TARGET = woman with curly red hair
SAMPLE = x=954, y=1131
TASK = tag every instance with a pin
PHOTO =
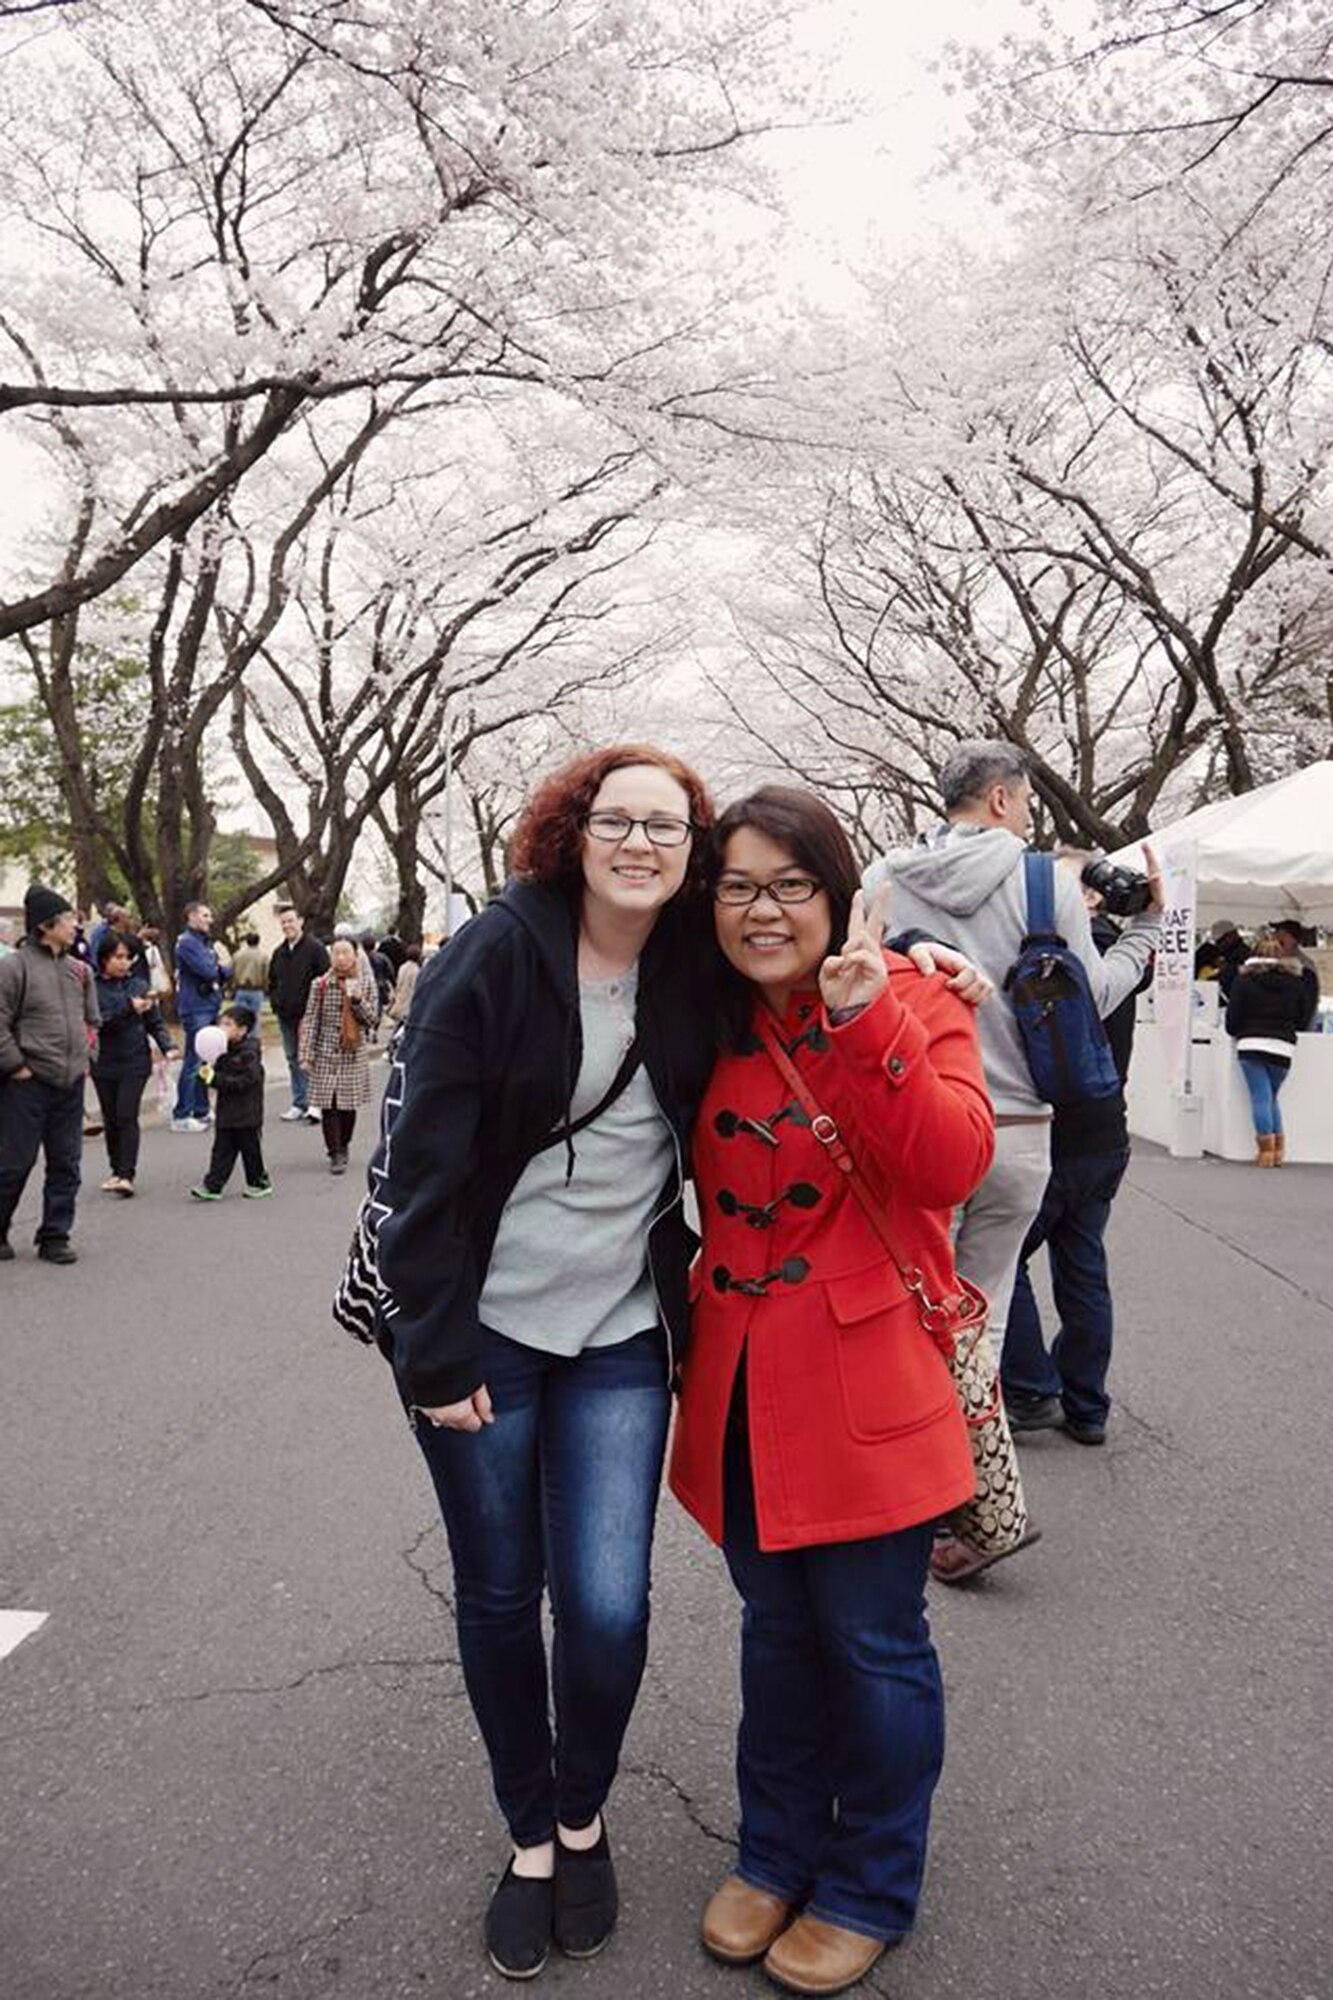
x=532, y=1252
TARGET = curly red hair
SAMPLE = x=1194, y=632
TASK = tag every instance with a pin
x=547, y=843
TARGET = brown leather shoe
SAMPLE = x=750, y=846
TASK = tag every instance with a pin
x=741, y=1922
x=815, y=1957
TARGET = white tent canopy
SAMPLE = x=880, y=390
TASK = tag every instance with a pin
x=1262, y=855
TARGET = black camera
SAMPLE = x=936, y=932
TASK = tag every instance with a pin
x=1124, y=892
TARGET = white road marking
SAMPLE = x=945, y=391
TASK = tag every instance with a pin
x=16, y=1626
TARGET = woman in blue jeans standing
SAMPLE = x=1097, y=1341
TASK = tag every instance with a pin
x=532, y=1252
x=819, y=1436
x=1265, y=1012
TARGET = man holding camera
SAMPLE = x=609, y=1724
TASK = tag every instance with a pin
x=964, y=884
x=1066, y=1385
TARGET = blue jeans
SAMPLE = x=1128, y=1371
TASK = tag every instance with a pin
x=842, y=1716
x=41, y=1117
x=561, y=1491
x=291, y=1036
x=1072, y=1223
x=191, y=1096
x=251, y=997
x=1264, y=1080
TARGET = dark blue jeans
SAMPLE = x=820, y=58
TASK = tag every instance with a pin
x=191, y=1096
x=842, y=1720
x=1072, y=1223
x=561, y=1491
x=1263, y=1080
x=37, y=1117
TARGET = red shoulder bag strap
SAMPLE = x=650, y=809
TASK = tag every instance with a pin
x=938, y=1316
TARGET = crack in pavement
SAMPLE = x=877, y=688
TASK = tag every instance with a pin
x=422, y=1573
x=241, y=1690
x=1158, y=1434
x=656, y=1775
x=1248, y=1256
x=326, y=1935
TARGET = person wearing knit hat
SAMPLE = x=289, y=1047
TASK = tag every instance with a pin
x=48, y=1021
x=41, y=906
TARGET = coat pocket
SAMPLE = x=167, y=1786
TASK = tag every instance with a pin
x=892, y=1377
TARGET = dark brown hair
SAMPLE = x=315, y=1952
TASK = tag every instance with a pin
x=547, y=844
x=110, y=941
x=811, y=833
x=802, y=823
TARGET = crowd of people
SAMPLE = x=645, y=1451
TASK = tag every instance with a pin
x=85, y=1003
x=848, y=1072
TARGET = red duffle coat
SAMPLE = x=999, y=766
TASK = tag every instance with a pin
x=853, y=1419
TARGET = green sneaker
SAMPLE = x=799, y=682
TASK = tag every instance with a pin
x=259, y=1193
x=204, y=1194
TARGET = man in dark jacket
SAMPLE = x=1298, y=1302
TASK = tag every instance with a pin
x=292, y=970
x=1221, y=955
x=1089, y=1154
x=238, y=1078
x=200, y=977
x=48, y=1019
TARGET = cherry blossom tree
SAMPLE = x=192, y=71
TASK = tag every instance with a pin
x=246, y=265
x=422, y=621
x=1089, y=507
x=209, y=234
x=1135, y=100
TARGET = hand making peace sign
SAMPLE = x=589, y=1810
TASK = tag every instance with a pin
x=857, y=974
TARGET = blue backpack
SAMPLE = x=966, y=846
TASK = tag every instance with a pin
x=1062, y=1033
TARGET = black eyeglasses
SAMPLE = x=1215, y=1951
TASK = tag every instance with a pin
x=661, y=829
x=736, y=890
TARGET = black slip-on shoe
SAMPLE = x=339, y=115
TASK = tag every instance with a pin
x=1033, y=1413
x=57, y=1250
x=587, y=1901
x=518, y=1925
x=1083, y=1433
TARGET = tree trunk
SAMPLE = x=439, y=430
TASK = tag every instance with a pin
x=404, y=843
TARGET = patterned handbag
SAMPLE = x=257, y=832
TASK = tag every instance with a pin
x=359, y=1300
x=994, y=1522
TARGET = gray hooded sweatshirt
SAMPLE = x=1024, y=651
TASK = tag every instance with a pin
x=964, y=886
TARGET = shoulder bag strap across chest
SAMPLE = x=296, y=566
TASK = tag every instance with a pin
x=938, y=1316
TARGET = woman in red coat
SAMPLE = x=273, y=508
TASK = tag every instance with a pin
x=818, y=1437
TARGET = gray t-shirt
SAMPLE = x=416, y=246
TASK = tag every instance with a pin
x=569, y=1268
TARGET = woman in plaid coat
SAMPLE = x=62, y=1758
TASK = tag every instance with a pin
x=340, y=1015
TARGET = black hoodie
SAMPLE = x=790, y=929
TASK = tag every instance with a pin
x=238, y=1079
x=484, y=1072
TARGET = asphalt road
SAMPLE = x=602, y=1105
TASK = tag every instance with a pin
x=236, y=1758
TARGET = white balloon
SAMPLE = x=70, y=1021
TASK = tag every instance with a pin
x=209, y=1044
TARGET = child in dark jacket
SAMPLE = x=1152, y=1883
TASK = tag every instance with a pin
x=238, y=1079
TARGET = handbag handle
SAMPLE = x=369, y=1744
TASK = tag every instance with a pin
x=936, y=1315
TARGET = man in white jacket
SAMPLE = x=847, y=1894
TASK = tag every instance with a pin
x=964, y=885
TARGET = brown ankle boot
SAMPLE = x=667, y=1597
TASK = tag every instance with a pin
x=1279, y=1148
x=1267, y=1153
x=815, y=1957
x=741, y=1922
